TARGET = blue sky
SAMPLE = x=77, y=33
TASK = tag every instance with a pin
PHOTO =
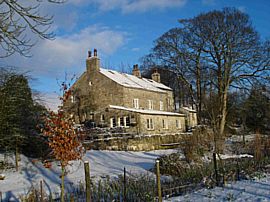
x=122, y=30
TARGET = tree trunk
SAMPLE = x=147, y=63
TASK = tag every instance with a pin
x=17, y=157
x=199, y=89
x=62, y=183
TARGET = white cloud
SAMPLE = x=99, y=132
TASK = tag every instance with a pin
x=68, y=51
x=51, y=101
x=129, y=6
x=144, y=5
x=51, y=59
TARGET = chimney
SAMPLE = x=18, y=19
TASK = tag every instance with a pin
x=136, y=71
x=156, y=76
x=92, y=62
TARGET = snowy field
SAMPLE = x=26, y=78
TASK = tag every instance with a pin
x=253, y=190
x=102, y=163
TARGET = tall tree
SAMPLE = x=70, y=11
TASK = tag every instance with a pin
x=227, y=45
x=235, y=53
x=16, y=113
x=17, y=18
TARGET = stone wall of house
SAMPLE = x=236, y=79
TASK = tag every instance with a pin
x=144, y=96
x=139, y=123
x=162, y=124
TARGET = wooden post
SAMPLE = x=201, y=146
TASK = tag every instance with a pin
x=41, y=191
x=87, y=180
x=125, y=187
x=71, y=198
x=16, y=157
x=158, y=182
x=215, y=168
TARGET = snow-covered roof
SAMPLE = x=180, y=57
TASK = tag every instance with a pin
x=128, y=80
x=188, y=109
x=143, y=111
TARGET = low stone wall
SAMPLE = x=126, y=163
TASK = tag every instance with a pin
x=131, y=142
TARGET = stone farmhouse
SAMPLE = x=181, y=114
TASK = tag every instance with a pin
x=107, y=98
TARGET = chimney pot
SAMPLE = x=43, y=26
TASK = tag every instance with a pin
x=89, y=54
x=136, y=71
x=156, y=76
x=95, y=52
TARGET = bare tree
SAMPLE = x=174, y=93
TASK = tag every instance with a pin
x=217, y=51
x=235, y=53
x=17, y=18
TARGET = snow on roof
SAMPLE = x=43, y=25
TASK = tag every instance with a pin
x=188, y=109
x=128, y=80
x=143, y=111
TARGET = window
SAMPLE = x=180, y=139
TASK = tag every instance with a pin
x=127, y=121
x=102, y=117
x=164, y=124
x=121, y=121
x=72, y=99
x=113, y=122
x=149, y=124
x=168, y=103
x=150, y=104
x=135, y=103
x=161, y=106
x=178, y=124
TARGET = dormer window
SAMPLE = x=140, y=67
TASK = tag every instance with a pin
x=135, y=103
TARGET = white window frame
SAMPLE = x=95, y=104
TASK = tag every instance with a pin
x=119, y=121
x=149, y=124
x=111, y=122
x=161, y=106
x=178, y=124
x=169, y=103
x=165, y=124
x=135, y=103
x=72, y=98
x=150, y=104
x=102, y=117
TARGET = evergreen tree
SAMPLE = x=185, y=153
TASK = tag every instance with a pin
x=257, y=109
x=16, y=112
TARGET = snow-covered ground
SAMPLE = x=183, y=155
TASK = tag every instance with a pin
x=102, y=163
x=248, y=190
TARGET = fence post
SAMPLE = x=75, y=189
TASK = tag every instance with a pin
x=215, y=168
x=71, y=198
x=41, y=191
x=87, y=180
x=125, y=187
x=158, y=182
